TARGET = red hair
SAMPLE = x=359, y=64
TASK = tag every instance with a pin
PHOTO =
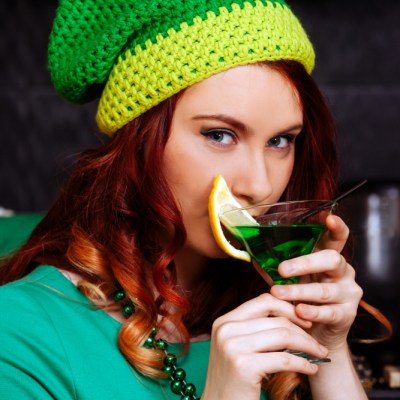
x=106, y=224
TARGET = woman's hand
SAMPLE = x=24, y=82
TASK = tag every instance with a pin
x=327, y=294
x=248, y=343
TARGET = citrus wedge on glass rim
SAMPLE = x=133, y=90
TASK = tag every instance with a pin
x=220, y=201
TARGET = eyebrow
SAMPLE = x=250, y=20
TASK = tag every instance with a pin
x=238, y=124
x=223, y=118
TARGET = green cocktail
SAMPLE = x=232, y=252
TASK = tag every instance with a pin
x=269, y=245
x=278, y=232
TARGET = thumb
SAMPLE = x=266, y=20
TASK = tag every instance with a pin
x=336, y=235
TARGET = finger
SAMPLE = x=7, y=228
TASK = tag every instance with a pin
x=321, y=293
x=330, y=315
x=336, y=235
x=263, y=306
x=276, y=339
x=225, y=330
x=329, y=262
x=282, y=361
x=347, y=291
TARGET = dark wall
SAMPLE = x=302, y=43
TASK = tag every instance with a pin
x=358, y=68
x=40, y=132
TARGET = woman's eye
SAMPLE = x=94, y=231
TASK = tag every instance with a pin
x=281, y=141
x=223, y=136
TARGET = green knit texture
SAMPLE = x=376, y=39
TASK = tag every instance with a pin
x=89, y=35
x=171, y=15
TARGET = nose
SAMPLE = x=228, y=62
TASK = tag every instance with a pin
x=251, y=184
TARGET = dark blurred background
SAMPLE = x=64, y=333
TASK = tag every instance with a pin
x=358, y=68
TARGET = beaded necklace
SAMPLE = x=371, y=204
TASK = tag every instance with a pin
x=179, y=385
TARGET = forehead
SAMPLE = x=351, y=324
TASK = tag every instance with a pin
x=251, y=92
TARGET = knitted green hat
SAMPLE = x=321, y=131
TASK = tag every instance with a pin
x=137, y=53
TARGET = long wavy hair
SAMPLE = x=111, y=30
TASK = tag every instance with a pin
x=106, y=221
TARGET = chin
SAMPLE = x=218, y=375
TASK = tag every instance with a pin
x=216, y=252
x=210, y=250
x=220, y=255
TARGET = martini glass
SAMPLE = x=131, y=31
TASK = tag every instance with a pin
x=279, y=232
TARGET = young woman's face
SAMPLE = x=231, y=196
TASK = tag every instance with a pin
x=241, y=124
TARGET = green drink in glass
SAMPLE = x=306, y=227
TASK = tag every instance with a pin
x=279, y=232
x=269, y=245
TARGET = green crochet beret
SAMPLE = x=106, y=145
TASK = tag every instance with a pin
x=137, y=53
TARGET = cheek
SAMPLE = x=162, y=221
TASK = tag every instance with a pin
x=191, y=187
x=189, y=184
x=190, y=172
x=280, y=173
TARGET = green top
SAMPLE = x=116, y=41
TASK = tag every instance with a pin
x=54, y=345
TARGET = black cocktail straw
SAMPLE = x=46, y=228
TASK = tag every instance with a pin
x=317, y=209
x=351, y=190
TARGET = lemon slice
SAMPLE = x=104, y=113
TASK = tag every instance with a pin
x=220, y=201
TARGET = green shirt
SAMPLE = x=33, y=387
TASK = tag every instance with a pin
x=54, y=345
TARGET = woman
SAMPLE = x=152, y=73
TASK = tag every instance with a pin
x=124, y=268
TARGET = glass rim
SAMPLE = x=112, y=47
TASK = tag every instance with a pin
x=329, y=203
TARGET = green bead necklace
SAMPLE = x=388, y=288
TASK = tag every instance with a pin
x=179, y=385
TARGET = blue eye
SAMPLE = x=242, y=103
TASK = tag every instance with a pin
x=222, y=136
x=281, y=141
